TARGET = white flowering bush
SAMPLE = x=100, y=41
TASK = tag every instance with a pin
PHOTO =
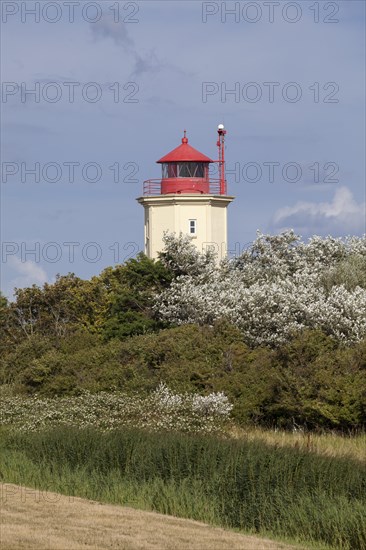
x=161, y=410
x=181, y=257
x=276, y=288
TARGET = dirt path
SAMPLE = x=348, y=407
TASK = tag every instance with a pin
x=33, y=519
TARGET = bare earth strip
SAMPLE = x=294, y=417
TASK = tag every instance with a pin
x=33, y=519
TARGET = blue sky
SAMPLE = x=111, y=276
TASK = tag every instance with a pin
x=161, y=56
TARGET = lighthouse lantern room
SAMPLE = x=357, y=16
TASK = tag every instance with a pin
x=187, y=200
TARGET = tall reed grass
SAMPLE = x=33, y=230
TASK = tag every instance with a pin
x=246, y=485
x=330, y=444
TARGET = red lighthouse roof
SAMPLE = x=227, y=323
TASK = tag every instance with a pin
x=184, y=153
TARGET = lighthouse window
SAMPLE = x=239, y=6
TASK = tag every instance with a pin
x=192, y=227
x=184, y=170
x=191, y=170
x=170, y=170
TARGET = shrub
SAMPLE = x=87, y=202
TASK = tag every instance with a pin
x=275, y=289
x=160, y=410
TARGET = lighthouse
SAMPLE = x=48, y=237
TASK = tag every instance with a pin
x=187, y=200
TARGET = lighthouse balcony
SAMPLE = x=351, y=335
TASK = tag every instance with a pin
x=168, y=186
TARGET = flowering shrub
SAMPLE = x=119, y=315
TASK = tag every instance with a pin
x=181, y=257
x=161, y=410
x=276, y=288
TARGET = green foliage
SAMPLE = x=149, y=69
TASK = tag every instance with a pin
x=7, y=329
x=144, y=274
x=58, y=309
x=105, y=335
x=324, y=386
x=14, y=363
x=129, y=314
x=134, y=286
x=310, y=383
x=35, y=327
x=237, y=484
x=118, y=303
x=350, y=272
x=71, y=368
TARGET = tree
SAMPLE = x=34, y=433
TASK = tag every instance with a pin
x=275, y=289
x=58, y=309
x=132, y=288
x=7, y=326
x=181, y=257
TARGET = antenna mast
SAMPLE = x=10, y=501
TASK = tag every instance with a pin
x=221, y=145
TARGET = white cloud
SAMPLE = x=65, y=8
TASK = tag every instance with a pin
x=29, y=273
x=341, y=216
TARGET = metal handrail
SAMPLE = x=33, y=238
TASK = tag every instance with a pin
x=153, y=186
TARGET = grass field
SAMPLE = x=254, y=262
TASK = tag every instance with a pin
x=327, y=444
x=276, y=492
x=43, y=520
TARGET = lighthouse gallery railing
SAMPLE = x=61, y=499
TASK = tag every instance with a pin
x=153, y=187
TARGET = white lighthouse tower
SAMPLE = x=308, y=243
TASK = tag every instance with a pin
x=186, y=200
